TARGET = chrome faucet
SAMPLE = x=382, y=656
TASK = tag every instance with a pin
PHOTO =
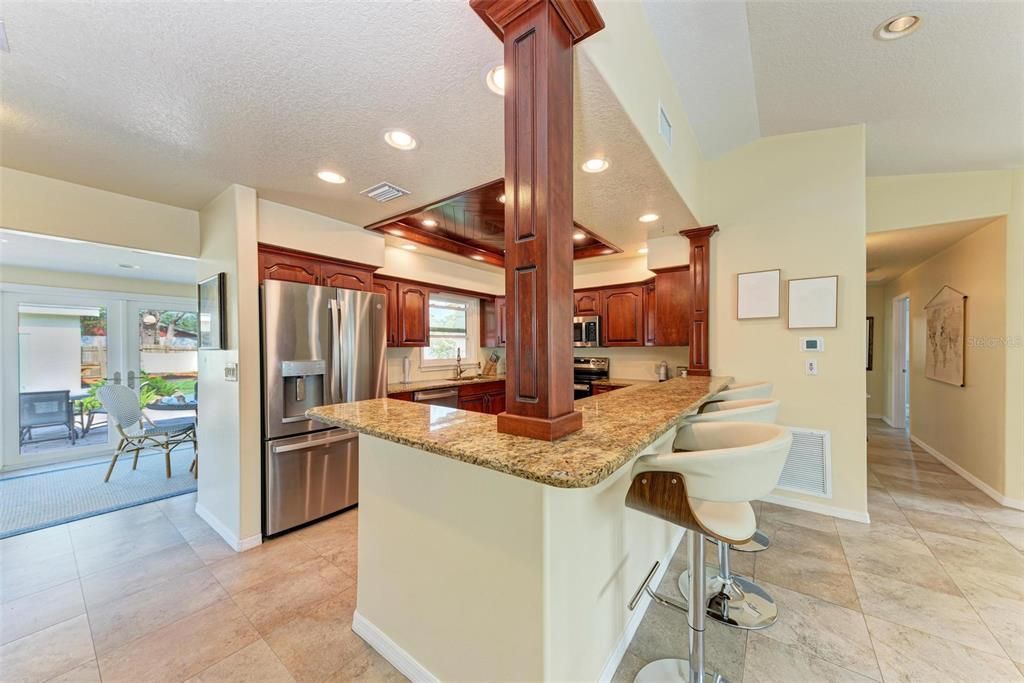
x=459, y=370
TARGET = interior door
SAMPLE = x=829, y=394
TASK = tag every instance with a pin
x=57, y=349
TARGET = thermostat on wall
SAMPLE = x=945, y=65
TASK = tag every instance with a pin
x=812, y=343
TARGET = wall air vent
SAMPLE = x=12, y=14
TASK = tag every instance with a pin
x=384, y=192
x=809, y=463
x=664, y=126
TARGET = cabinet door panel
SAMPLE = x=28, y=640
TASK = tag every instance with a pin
x=496, y=402
x=478, y=404
x=492, y=322
x=650, y=315
x=587, y=303
x=346, y=277
x=413, y=315
x=389, y=289
x=623, y=320
x=289, y=268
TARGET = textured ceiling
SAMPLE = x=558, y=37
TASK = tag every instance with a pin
x=173, y=101
x=949, y=97
x=893, y=252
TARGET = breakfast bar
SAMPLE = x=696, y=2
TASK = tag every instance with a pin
x=488, y=556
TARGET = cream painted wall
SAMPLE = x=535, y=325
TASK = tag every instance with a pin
x=667, y=251
x=600, y=272
x=910, y=201
x=287, y=226
x=876, y=377
x=50, y=278
x=796, y=202
x=1014, y=486
x=424, y=268
x=35, y=203
x=965, y=424
x=229, y=414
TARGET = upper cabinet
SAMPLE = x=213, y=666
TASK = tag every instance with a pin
x=278, y=263
x=650, y=315
x=492, y=322
x=622, y=323
x=413, y=315
x=389, y=288
x=672, y=302
x=587, y=303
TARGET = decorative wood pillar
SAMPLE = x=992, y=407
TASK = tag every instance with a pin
x=700, y=295
x=538, y=37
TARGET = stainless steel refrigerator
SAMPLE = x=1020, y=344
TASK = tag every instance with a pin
x=321, y=345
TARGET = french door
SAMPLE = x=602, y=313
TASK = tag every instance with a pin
x=57, y=347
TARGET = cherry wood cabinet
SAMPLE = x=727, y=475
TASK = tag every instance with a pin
x=672, y=303
x=587, y=303
x=389, y=288
x=601, y=389
x=401, y=396
x=622, y=322
x=485, y=397
x=413, y=313
x=289, y=265
x=492, y=322
x=650, y=314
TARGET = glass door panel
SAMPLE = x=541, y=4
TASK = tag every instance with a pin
x=163, y=359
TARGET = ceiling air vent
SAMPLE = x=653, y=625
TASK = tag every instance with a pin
x=384, y=192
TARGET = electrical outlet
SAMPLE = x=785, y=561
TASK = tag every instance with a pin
x=811, y=367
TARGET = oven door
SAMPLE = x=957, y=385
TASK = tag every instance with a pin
x=580, y=390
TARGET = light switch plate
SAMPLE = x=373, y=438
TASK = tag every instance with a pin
x=811, y=367
x=231, y=372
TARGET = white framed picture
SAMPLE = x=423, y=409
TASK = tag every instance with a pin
x=758, y=294
x=813, y=302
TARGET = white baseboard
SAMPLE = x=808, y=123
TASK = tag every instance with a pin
x=820, y=508
x=611, y=665
x=886, y=420
x=977, y=483
x=875, y=416
x=239, y=545
x=389, y=650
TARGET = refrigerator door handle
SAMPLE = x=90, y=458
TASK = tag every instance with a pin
x=313, y=444
x=334, y=379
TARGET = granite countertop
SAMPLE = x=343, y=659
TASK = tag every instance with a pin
x=616, y=427
x=613, y=382
x=423, y=385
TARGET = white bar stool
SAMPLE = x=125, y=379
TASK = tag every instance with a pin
x=738, y=392
x=734, y=600
x=706, y=490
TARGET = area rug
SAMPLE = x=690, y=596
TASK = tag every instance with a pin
x=38, y=500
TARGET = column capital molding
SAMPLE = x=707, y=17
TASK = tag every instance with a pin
x=693, y=233
x=580, y=16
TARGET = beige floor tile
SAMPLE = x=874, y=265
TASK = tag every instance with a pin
x=332, y=534
x=47, y=653
x=997, y=556
x=346, y=558
x=320, y=640
x=770, y=662
x=55, y=540
x=771, y=513
x=245, y=570
x=149, y=570
x=906, y=654
x=369, y=666
x=118, y=524
x=941, y=614
x=255, y=662
x=999, y=601
x=893, y=550
x=33, y=562
x=823, y=630
x=210, y=547
x=118, y=622
x=809, y=562
x=34, y=612
x=85, y=673
x=281, y=598
x=930, y=502
x=998, y=515
x=948, y=524
x=889, y=513
x=1011, y=534
x=181, y=649
x=96, y=551
x=181, y=511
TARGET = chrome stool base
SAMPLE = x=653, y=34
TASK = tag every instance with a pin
x=674, y=671
x=758, y=542
x=739, y=603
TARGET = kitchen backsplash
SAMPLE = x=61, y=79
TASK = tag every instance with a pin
x=639, y=362
x=396, y=357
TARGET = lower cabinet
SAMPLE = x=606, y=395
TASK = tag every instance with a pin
x=486, y=397
x=601, y=389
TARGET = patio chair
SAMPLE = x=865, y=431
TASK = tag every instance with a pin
x=45, y=409
x=122, y=405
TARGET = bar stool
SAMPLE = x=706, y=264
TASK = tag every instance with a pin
x=736, y=392
x=700, y=491
x=734, y=600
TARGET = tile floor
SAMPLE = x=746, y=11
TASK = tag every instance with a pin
x=932, y=590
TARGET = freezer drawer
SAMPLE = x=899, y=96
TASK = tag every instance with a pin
x=309, y=476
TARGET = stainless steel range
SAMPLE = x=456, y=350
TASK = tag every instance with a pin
x=585, y=371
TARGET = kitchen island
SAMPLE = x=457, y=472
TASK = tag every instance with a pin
x=487, y=556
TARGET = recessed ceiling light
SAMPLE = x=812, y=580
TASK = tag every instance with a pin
x=409, y=247
x=496, y=79
x=648, y=218
x=898, y=27
x=399, y=139
x=595, y=165
x=128, y=266
x=579, y=235
x=396, y=233
x=331, y=177
x=476, y=257
x=642, y=250
x=501, y=197
x=429, y=223
x=608, y=251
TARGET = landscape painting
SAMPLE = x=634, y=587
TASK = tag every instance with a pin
x=944, y=352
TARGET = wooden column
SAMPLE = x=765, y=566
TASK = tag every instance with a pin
x=700, y=294
x=538, y=37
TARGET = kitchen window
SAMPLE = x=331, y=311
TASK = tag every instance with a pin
x=454, y=327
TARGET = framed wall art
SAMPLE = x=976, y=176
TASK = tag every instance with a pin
x=212, y=327
x=945, y=325
x=758, y=294
x=814, y=302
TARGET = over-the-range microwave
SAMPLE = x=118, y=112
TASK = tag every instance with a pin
x=586, y=330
